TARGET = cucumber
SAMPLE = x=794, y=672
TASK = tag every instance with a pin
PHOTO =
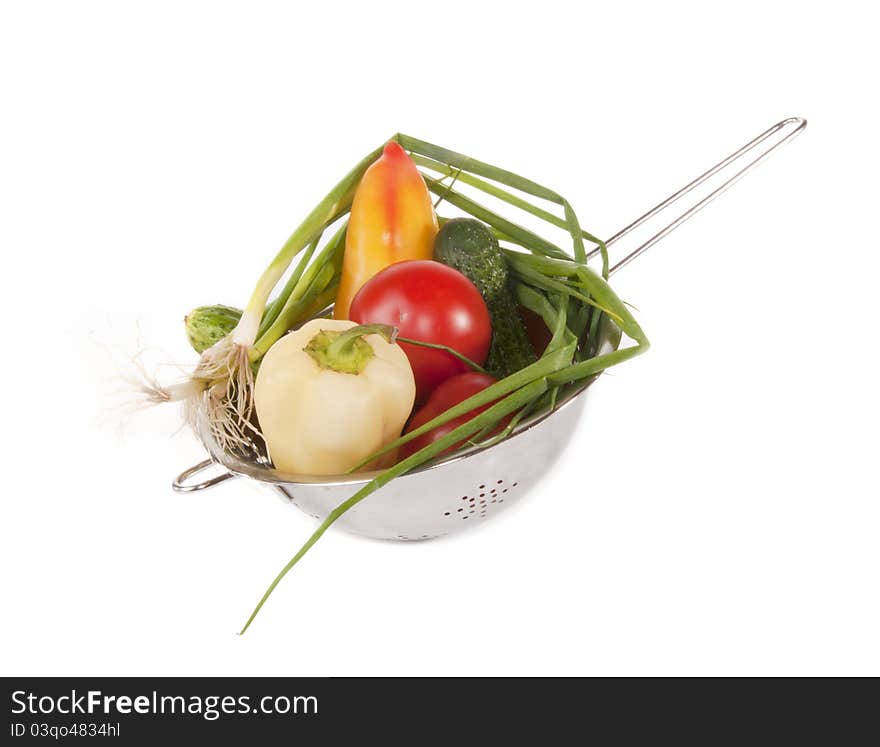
x=206, y=325
x=470, y=247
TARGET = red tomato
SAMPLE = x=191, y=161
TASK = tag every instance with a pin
x=452, y=391
x=431, y=302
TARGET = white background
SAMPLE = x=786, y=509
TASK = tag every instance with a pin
x=718, y=510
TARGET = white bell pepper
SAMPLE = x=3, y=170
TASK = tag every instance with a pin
x=327, y=397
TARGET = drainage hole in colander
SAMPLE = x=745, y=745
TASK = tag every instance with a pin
x=471, y=503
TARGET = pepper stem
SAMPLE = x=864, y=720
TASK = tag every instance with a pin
x=347, y=352
x=347, y=339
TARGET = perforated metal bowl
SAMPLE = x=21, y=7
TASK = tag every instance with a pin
x=474, y=485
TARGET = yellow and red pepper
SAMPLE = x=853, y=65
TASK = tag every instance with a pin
x=392, y=219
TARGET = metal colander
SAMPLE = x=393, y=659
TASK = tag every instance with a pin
x=475, y=484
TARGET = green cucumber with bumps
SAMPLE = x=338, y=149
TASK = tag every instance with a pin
x=206, y=325
x=470, y=247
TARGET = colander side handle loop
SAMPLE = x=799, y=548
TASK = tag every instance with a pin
x=180, y=485
x=777, y=135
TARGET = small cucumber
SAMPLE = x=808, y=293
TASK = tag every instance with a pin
x=470, y=247
x=207, y=325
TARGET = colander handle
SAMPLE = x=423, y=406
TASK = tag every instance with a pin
x=180, y=485
x=773, y=137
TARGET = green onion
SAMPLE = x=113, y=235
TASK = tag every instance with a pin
x=275, y=306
